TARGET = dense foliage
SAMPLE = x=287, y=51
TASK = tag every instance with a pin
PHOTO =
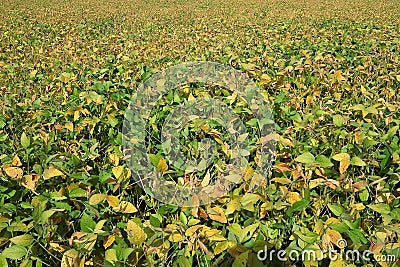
x=68, y=69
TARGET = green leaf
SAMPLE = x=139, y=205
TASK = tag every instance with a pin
x=23, y=240
x=340, y=227
x=247, y=232
x=241, y=260
x=87, y=223
x=77, y=192
x=306, y=158
x=25, y=142
x=44, y=217
x=338, y=120
x=155, y=220
x=14, y=252
x=3, y=261
x=380, y=208
x=364, y=194
x=336, y=209
x=356, y=161
x=392, y=131
x=298, y=206
x=324, y=162
x=182, y=262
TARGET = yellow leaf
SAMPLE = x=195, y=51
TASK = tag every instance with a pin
x=51, y=172
x=206, y=179
x=114, y=159
x=293, y=197
x=69, y=126
x=248, y=173
x=13, y=172
x=338, y=75
x=191, y=230
x=125, y=207
x=30, y=181
x=136, y=235
x=113, y=201
x=359, y=206
x=97, y=198
x=341, y=157
x=176, y=237
x=265, y=79
x=344, y=160
x=162, y=165
x=282, y=180
x=331, y=221
x=343, y=166
x=232, y=206
x=108, y=241
x=70, y=258
x=16, y=161
x=216, y=214
x=213, y=234
x=265, y=207
x=118, y=171
x=334, y=236
x=220, y=247
x=308, y=61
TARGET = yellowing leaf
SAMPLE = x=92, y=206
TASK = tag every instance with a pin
x=111, y=255
x=97, y=198
x=249, y=200
x=16, y=161
x=206, y=179
x=162, y=166
x=25, y=142
x=114, y=158
x=293, y=197
x=176, y=237
x=216, y=214
x=23, y=240
x=29, y=181
x=356, y=161
x=70, y=258
x=108, y=241
x=113, y=201
x=344, y=160
x=191, y=230
x=341, y=157
x=334, y=236
x=232, y=206
x=359, y=206
x=265, y=207
x=51, y=172
x=13, y=172
x=69, y=126
x=343, y=166
x=247, y=232
x=306, y=158
x=125, y=207
x=282, y=180
x=265, y=79
x=118, y=171
x=338, y=75
x=220, y=247
x=136, y=235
